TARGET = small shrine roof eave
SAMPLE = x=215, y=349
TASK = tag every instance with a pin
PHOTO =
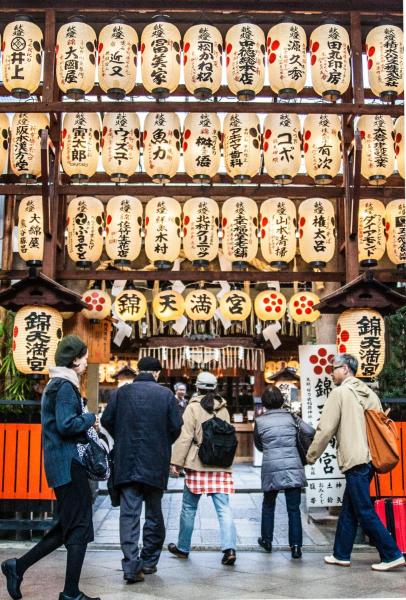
x=285, y=374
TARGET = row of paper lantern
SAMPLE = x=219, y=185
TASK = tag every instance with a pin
x=197, y=223
x=119, y=140
x=245, y=49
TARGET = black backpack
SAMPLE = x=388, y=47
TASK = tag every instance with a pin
x=219, y=443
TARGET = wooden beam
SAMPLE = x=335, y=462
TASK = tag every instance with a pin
x=351, y=245
x=49, y=56
x=7, y=234
x=44, y=181
x=355, y=196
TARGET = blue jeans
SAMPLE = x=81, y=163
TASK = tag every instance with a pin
x=357, y=508
x=292, y=497
x=187, y=519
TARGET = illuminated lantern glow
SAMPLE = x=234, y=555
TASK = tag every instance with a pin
x=200, y=305
x=117, y=48
x=371, y=232
x=384, y=52
x=123, y=229
x=25, y=154
x=202, y=52
x=239, y=224
x=168, y=305
x=98, y=305
x=395, y=228
x=80, y=145
x=286, y=48
x=200, y=230
x=282, y=146
x=161, y=146
x=242, y=146
x=245, y=60
x=301, y=307
x=201, y=146
x=120, y=145
x=270, y=305
x=400, y=145
x=130, y=305
x=269, y=370
x=316, y=231
x=37, y=331
x=278, y=224
x=22, y=57
x=361, y=332
x=294, y=364
x=162, y=231
x=31, y=231
x=378, y=154
x=76, y=45
x=85, y=230
x=4, y=142
x=322, y=147
x=160, y=58
x=330, y=60
x=235, y=305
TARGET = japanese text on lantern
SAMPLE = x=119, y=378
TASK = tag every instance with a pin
x=161, y=236
x=235, y=303
x=82, y=227
x=279, y=236
x=201, y=304
x=206, y=142
x=129, y=304
x=30, y=226
x=235, y=141
x=285, y=145
x=323, y=158
x=37, y=326
x=160, y=49
x=21, y=53
x=369, y=331
x=321, y=231
x=247, y=59
x=240, y=231
x=370, y=231
x=391, y=52
x=122, y=139
x=159, y=138
x=380, y=142
x=119, y=57
x=124, y=229
x=335, y=60
x=294, y=51
x=23, y=143
x=205, y=63
x=202, y=226
x=72, y=66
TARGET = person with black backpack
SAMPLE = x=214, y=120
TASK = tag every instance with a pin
x=206, y=449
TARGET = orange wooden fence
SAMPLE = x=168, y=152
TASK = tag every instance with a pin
x=394, y=483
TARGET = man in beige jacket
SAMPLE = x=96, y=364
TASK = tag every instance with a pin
x=343, y=417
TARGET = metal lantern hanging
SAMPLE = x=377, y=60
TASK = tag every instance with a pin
x=400, y=145
x=25, y=152
x=286, y=47
x=396, y=232
x=378, y=154
x=168, y=305
x=242, y=146
x=85, y=230
x=120, y=145
x=161, y=146
x=371, y=232
x=22, y=57
x=384, y=51
x=31, y=231
x=200, y=305
x=301, y=307
x=123, y=229
x=270, y=305
x=235, y=305
x=117, y=48
x=130, y=305
x=201, y=146
x=80, y=145
x=239, y=222
x=98, y=305
x=37, y=331
x=330, y=59
x=4, y=142
x=361, y=332
x=278, y=224
x=200, y=230
x=322, y=147
x=316, y=231
x=202, y=52
x=76, y=45
x=162, y=231
x=160, y=58
x=245, y=60
x=282, y=146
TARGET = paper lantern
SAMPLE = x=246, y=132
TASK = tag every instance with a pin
x=25, y=155
x=294, y=364
x=384, y=50
x=278, y=225
x=245, y=53
x=162, y=231
x=322, y=147
x=242, y=146
x=161, y=146
x=330, y=60
x=361, y=332
x=371, y=232
x=4, y=142
x=85, y=230
x=98, y=305
x=269, y=370
x=76, y=45
x=200, y=227
x=118, y=43
x=396, y=232
x=400, y=145
x=120, y=145
x=130, y=305
x=202, y=51
x=168, y=305
x=22, y=57
x=316, y=231
x=201, y=146
x=200, y=305
x=270, y=305
x=31, y=231
x=123, y=229
x=160, y=58
x=37, y=331
x=301, y=307
x=282, y=146
x=239, y=223
x=235, y=305
x=80, y=145
x=286, y=47
x=378, y=154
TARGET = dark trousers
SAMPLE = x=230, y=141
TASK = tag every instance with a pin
x=153, y=535
x=292, y=497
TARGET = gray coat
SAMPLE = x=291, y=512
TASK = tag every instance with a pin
x=275, y=436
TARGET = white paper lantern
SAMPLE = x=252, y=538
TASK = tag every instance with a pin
x=120, y=145
x=200, y=305
x=316, y=231
x=286, y=47
x=161, y=146
x=80, y=145
x=301, y=307
x=371, y=232
x=130, y=305
x=330, y=60
x=322, y=147
x=378, y=154
x=242, y=146
x=85, y=230
x=4, y=142
x=270, y=305
x=76, y=44
x=239, y=223
x=235, y=305
x=98, y=305
x=396, y=232
x=123, y=229
x=201, y=146
x=278, y=224
x=202, y=51
x=160, y=58
x=118, y=43
x=25, y=154
x=282, y=146
x=245, y=52
x=400, y=145
x=31, y=230
x=200, y=230
x=361, y=332
x=168, y=305
x=384, y=50
x=162, y=231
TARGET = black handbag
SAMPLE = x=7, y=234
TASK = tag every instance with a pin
x=114, y=492
x=95, y=460
x=303, y=439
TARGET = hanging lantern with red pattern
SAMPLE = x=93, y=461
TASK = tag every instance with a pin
x=270, y=305
x=330, y=59
x=117, y=49
x=4, y=142
x=322, y=147
x=25, y=150
x=120, y=145
x=282, y=146
x=85, y=230
x=301, y=307
x=396, y=232
x=378, y=154
x=384, y=50
x=278, y=224
x=400, y=145
x=286, y=47
x=245, y=59
x=201, y=146
x=98, y=304
x=202, y=52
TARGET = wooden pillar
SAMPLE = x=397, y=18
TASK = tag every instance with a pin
x=259, y=384
x=92, y=388
x=7, y=252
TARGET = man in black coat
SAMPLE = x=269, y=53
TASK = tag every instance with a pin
x=144, y=420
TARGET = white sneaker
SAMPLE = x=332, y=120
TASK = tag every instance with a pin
x=332, y=560
x=387, y=566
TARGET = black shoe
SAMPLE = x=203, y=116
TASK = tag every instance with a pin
x=267, y=546
x=173, y=549
x=9, y=568
x=229, y=557
x=296, y=551
x=149, y=570
x=137, y=578
x=80, y=596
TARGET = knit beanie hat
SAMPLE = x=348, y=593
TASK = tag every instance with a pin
x=149, y=363
x=68, y=349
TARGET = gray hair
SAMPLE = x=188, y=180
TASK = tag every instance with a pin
x=178, y=385
x=347, y=359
